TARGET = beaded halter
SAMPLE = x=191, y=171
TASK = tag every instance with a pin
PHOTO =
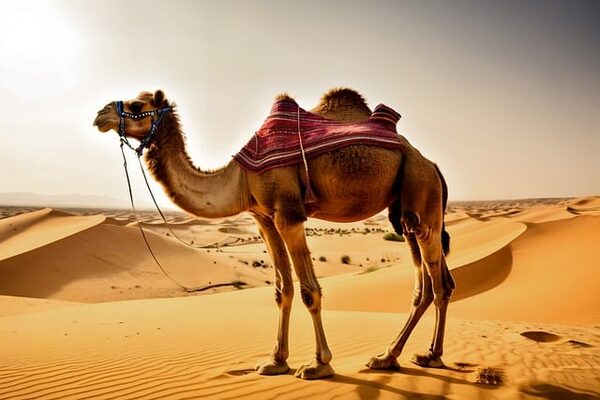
x=147, y=139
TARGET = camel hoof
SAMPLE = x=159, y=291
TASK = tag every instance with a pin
x=272, y=367
x=315, y=370
x=384, y=361
x=428, y=360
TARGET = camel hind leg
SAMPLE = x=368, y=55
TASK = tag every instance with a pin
x=422, y=298
x=424, y=216
x=442, y=284
x=419, y=215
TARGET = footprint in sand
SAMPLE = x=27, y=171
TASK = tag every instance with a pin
x=541, y=336
x=578, y=344
x=239, y=372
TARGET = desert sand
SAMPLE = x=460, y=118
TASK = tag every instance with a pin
x=85, y=312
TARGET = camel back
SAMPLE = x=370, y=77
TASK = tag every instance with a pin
x=289, y=130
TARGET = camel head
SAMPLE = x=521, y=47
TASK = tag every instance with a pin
x=137, y=114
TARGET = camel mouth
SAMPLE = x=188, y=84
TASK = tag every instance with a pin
x=105, y=123
x=105, y=120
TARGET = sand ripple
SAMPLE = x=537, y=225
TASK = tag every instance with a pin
x=212, y=356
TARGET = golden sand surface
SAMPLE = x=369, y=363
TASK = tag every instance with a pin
x=85, y=312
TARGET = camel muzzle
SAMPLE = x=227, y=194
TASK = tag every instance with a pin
x=106, y=116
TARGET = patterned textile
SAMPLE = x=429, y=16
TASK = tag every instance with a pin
x=278, y=144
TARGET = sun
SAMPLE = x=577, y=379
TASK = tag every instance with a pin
x=38, y=50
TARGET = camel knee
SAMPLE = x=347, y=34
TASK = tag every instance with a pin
x=284, y=296
x=441, y=282
x=422, y=297
x=443, y=298
x=448, y=280
x=312, y=299
x=422, y=294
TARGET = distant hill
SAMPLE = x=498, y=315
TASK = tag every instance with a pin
x=71, y=200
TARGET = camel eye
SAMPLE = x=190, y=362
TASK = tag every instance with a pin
x=136, y=107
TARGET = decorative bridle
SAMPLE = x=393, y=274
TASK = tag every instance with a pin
x=147, y=139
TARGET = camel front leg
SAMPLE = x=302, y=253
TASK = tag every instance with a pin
x=284, y=293
x=295, y=240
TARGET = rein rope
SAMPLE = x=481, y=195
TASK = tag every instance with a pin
x=309, y=196
x=144, y=143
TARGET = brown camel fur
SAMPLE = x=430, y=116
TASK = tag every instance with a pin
x=350, y=184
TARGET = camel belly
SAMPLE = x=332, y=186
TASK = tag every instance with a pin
x=350, y=212
x=353, y=183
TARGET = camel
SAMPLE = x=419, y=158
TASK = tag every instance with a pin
x=348, y=184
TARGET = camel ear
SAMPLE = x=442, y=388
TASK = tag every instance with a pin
x=159, y=98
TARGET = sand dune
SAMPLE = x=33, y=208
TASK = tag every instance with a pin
x=390, y=289
x=456, y=217
x=541, y=214
x=110, y=262
x=535, y=275
x=554, y=271
x=473, y=240
x=26, y=232
x=587, y=206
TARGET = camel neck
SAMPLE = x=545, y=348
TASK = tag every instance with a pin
x=211, y=194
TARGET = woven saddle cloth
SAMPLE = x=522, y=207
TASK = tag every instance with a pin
x=289, y=130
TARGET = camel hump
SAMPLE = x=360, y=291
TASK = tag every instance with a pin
x=343, y=104
x=284, y=97
x=342, y=95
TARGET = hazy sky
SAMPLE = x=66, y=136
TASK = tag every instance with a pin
x=503, y=95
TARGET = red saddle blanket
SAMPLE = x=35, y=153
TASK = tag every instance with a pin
x=277, y=143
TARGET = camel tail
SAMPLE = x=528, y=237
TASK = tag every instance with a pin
x=445, y=234
x=445, y=242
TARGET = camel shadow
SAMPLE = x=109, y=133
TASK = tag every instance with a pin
x=365, y=389
x=555, y=392
x=371, y=389
x=423, y=373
